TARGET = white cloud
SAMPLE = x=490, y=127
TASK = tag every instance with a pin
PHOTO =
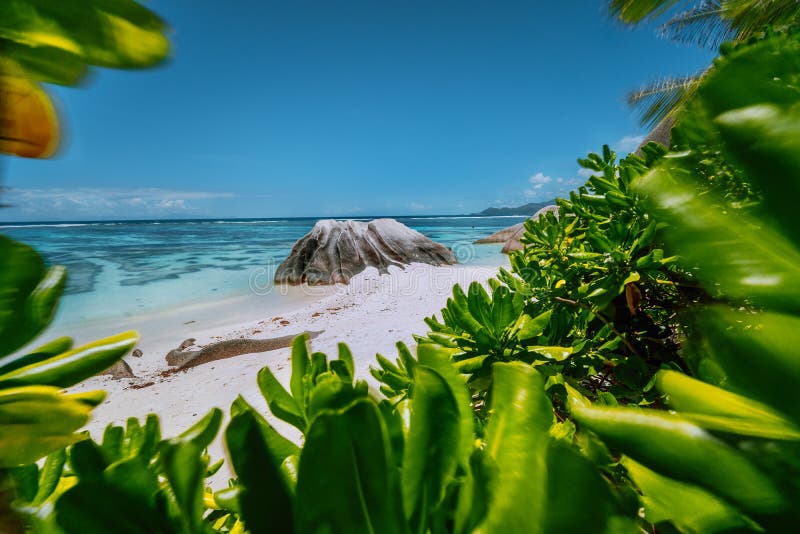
x=92, y=202
x=629, y=143
x=583, y=172
x=418, y=206
x=539, y=180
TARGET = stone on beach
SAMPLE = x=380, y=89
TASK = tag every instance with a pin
x=119, y=370
x=184, y=359
x=335, y=251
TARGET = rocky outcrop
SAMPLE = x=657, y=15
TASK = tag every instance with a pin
x=510, y=237
x=513, y=243
x=335, y=251
x=502, y=236
x=119, y=370
x=184, y=359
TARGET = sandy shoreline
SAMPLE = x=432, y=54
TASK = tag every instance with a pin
x=370, y=314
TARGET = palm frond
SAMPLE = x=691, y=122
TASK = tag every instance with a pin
x=636, y=11
x=749, y=17
x=658, y=100
x=705, y=25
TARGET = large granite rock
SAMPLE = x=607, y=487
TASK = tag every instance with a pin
x=501, y=236
x=510, y=237
x=335, y=251
x=513, y=243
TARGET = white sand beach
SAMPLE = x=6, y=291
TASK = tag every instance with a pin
x=370, y=314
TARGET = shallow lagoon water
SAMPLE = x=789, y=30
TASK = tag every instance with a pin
x=134, y=269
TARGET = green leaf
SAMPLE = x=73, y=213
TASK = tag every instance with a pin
x=716, y=409
x=736, y=254
x=280, y=402
x=20, y=272
x=50, y=475
x=265, y=501
x=48, y=350
x=553, y=353
x=682, y=450
x=690, y=508
x=531, y=327
x=300, y=365
x=773, y=375
x=203, y=432
x=766, y=140
x=346, y=481
x=279, y=447
x=516, y=439
x=185, y=470
x=74, y=366
x=432, y=445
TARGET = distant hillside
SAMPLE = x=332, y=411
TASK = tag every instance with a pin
x=528, y=209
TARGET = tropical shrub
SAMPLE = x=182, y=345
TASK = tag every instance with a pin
x=719, y=278
x=418, y=465
x=130, y=481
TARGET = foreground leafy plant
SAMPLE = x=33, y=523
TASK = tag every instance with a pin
x=369, y=465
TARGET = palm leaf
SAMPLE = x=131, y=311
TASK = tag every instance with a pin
x=749, y=17
x=636, y=11
x=656, y=101
x=705, y=25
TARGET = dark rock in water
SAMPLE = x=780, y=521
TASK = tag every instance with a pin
x=335, y=251
x=137, y=353
x=184, y=359
x=501, y=236
x=514, y=242
x=119, y=370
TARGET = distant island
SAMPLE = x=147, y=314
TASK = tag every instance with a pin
x=527, y=210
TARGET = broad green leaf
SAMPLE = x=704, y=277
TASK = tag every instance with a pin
x=766, y=140
x=531, y=327
x=300, y=365
x=438, y=359
x=21, y=270
x=99, y=507
x=682, y=450
x=74, y=366
x=690, y=508
x=279, y=447
x=265, y=501
x=741, y=256
x=185, y=469
x=359, y=491
x=280, y=402
x=516, y=439
x=772, y=371
x=203, y=432
x=109, y=33
x=48, y=350
x=49, y=476
x=431, y=447
x=716, y=409
x=553, y=353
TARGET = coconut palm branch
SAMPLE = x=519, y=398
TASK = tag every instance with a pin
x=713, y=22
x=707, y=23
x=658, y=100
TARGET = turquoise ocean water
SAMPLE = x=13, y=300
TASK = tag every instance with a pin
x=123, y=269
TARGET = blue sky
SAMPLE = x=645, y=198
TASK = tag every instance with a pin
x=304, y=108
